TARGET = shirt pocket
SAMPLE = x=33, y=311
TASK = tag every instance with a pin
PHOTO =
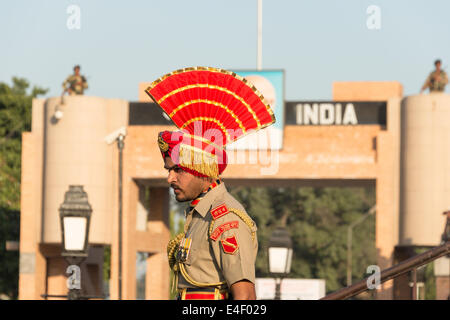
x=191, y=257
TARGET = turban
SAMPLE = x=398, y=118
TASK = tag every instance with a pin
x=199, y=157
x=212, y=108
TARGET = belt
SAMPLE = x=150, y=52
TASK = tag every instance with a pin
x=202, y=294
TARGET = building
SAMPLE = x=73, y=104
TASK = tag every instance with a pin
x=398, y=144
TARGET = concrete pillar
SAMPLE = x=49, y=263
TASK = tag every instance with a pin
x=158, y=225
x=76, y=153
x=32, y=263
x=388, y=170
x=425, y=163
x=157, y=285
x=56, y=153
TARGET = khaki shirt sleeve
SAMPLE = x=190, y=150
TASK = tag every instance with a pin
x=240, y=264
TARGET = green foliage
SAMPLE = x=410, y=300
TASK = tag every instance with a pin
x=9, y=266
x=15, y=117
x=176, y=222
x=176, y=225
x=107, y=263
x=430, y=282
x=426, y=274
x=317, y=219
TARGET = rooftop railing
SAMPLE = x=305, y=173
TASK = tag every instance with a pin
x=408, y=265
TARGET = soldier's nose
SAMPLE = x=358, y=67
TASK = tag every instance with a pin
x=171, y=178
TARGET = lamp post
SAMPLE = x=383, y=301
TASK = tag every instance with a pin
x=416, y=282
x=119, y=137
x=350, y=242
x=280, y=257
x=75, y=215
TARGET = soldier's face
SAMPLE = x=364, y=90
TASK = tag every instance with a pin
x=185, y=185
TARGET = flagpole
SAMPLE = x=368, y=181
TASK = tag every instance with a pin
x=259, y=50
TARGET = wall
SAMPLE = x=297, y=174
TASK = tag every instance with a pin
x=425, y=163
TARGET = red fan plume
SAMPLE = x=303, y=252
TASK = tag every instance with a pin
x=216, y=99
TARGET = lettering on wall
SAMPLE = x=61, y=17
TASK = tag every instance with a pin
x=325, y=114
x=304, y=113
x=331, y=113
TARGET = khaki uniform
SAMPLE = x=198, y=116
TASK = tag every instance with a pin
x=75, y=84
x=436, y=86
x=220, y=243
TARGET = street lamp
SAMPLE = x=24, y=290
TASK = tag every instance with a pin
x=119, y=137
x=280, y=256
x=350, y=242
x=75, y=215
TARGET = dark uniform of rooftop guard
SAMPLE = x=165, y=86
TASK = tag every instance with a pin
x=75, y=84
x=437, y=79
x=214, y=258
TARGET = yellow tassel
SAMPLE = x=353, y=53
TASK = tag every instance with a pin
x=172, y=248
x=174, y=281
x=199, y=160
x=247, y=220
x=177, y=267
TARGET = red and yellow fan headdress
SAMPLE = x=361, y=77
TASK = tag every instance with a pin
x=213, y=107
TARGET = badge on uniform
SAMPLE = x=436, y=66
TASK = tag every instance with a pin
x=219, y=211
x=230, y=245
x=224, y=227
x=184, y=249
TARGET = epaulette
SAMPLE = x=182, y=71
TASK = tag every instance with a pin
x=222, y=210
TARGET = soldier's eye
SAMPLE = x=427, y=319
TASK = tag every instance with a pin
x=177, y=169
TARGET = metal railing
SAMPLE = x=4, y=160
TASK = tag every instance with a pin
x=410, y=264
x=70, y=296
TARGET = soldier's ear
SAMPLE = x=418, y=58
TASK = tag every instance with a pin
x=207, y=179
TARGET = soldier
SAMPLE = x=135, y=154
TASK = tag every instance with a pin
x=214, y=258
x=75, y=84
x=436, y=80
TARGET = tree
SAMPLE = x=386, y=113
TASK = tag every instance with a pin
x=176, y=226
x=15, y=117
x=317, y=219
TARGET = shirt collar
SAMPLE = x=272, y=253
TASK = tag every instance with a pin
x=206, y=202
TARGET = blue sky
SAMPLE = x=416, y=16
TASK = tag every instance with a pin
x=122, y=43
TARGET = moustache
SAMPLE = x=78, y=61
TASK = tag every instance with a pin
x=174, y=187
